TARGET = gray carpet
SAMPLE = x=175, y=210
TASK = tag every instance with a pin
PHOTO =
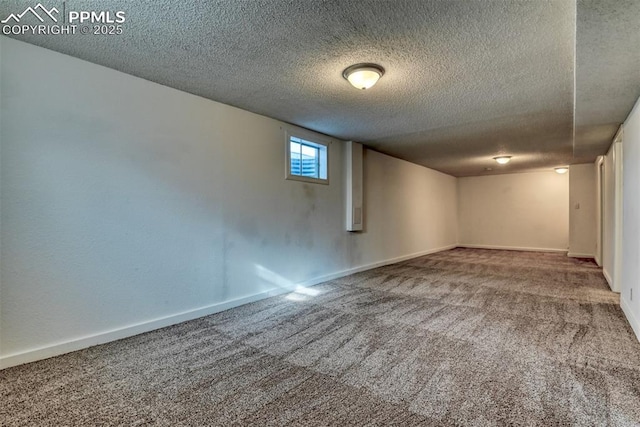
x=462, y=337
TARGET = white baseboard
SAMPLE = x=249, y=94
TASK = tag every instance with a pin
x=142, y=327
x=373, y=265
x=580, y=255
x=128, y=331
x=607, y=276
x=511, y=248
x=633, y=321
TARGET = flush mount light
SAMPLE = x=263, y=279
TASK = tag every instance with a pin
x=562, y=169
x=503, y=160
x=363, y=76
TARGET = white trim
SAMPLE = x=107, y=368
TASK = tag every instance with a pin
x=633, y=321
x=617, y=225
x=580, y=255
x=511, y=248
x=619, y=135
x=161, y=322
x=373, y=265
x=125, y=332
x=609, y=279
x=312, y=139
x=599, y=164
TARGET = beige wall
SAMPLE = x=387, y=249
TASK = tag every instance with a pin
x=519, y=211
x=407, y=208
x=582, y=210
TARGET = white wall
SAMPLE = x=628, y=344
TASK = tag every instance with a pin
x=407, y=208
x=609, y=219
x=583, y=224
x=631, y=219
x=514, y=211
x=126, y=206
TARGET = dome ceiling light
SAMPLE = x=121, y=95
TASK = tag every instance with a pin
x=562, y=169
x=363, y=76
x=503, y=160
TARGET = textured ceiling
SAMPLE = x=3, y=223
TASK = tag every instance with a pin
x=607, y=71
x=465, y=80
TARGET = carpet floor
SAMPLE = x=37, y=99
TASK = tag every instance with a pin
x=462, y=337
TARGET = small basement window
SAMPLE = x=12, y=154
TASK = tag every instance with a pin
x=307, y=160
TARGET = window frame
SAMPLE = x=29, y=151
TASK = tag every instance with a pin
x=312, y=140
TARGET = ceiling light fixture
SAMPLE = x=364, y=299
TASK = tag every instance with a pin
x=363, y=76
x=562, y=169
x=503, y=160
